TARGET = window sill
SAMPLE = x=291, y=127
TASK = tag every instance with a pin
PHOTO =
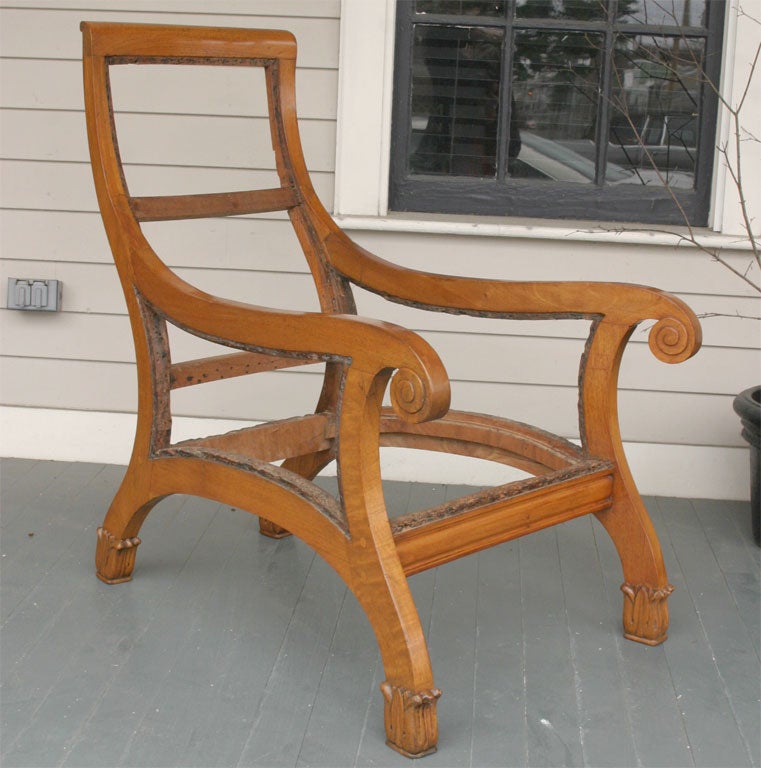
x=534, y=229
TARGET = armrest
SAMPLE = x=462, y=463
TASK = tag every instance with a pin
x=675, y=337
x=419, y=390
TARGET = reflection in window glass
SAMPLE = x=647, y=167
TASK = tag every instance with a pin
x=578, y=10
x=461, y=7
x=566, y=108
x=556, y=78
x=455, y=100
x=688, y=13
x=656, y=98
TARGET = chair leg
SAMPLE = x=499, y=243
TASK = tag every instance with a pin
x=645, y=588
x=268, y=528
x=410, y=720
x=117, y=537
x=409, y=694
x=308, y=466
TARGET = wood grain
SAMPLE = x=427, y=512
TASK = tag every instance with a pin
x=366, y=361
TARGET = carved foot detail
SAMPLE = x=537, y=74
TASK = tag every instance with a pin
x=114, y=558
x=268, y=528
x=646, y=613
x=410, y=718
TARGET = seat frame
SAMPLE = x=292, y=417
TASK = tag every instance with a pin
x=363, y=359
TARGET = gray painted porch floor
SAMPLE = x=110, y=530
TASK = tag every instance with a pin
x=230, y=649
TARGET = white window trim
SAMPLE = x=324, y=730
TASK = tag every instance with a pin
x=363, y=142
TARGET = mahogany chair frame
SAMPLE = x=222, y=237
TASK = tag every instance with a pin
x=363, y=357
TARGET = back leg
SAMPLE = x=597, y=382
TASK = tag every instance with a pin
x=308, y=466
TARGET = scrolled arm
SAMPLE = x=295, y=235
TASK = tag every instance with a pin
x=420, y=388
x=410, y=396
x=675, y=337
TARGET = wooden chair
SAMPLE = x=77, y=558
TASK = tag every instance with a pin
x=363, y=357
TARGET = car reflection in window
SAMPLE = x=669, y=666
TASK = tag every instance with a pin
x=544, y=159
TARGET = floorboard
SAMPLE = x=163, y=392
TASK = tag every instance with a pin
x=231, y=649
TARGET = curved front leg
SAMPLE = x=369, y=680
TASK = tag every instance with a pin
x=117, y=537
x=645, y=587
x=377, y=578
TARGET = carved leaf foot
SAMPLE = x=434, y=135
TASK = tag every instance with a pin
x=646, y=614
x=268, y=528
x=410, y=718
x=114, y=558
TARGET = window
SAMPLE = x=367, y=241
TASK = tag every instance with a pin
x=583, y=109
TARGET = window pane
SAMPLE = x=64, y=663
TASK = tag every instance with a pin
x=688, y=13
x=461, y=7
x=657, y=102
x=555, y=86
x=455, y=100
x=578, y=10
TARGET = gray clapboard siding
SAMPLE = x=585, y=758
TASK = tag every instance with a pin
x=57, y=85
x=468, y=357
x=190, y=140
x=316, y=8
x=232, y=649
x=679, y=270
x=81, y=359
x=54, y=33
x=104, y=386
x=63, y=186
x=45, y=234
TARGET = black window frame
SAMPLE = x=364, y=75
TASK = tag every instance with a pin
x=507, y=197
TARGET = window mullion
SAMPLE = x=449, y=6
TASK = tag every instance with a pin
x=602, y=129
x=506, y=90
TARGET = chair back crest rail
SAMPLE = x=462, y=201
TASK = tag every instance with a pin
x=364, y=359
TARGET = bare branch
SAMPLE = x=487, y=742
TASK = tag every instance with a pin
x=731, y=156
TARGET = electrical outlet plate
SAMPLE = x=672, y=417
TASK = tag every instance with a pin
x=34, y=295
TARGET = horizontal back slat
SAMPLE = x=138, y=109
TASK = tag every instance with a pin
x=158, y=40
x=190, y=372
x=168, y=207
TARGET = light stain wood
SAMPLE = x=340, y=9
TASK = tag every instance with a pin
x=364, y=358
x=175, y=207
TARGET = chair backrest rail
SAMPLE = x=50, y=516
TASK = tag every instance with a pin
x=169, y=207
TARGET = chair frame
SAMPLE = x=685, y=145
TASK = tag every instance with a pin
x=363, y=358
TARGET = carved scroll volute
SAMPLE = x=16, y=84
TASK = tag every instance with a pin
x=410, y=719
x=646, y=614
x=416, y=400
x=677, y=334
x=673, y=340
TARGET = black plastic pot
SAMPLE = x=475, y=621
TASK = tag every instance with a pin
x=748, y=407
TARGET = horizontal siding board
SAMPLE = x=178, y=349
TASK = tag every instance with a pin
x=112, y=387
x=28, y=236
x=189, y=140
x=657, y=417
x=50, y=85
x=95, y=288
x=54, y=34
x=680, y=270
x=316, y=8
x=232, y=243
x=467, y=357
x=231, y=91
x=63, y=186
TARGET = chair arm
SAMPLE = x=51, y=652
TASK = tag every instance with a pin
x=419, y=389
x=675, y=337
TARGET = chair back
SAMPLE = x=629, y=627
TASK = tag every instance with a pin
x=107, y=45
